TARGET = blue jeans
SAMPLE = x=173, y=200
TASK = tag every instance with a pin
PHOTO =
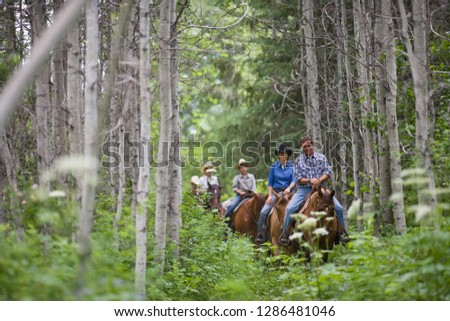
x=299, y=197
x=234, y=202
x=265, y=211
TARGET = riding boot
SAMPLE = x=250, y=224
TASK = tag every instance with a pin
x=284, y=238
x=341, y=238
x=227, y=220
x=260, y=236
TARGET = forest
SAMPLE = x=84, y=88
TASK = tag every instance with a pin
x=109, y=107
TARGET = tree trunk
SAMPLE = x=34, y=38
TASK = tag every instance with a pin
x=144, y=171
x=340, y=120
x=74, y=101
x=366, y=107
x=354, y=117
x=59, y=109
x=175, y=184
x=162, y=177
x=391, y=117
x=90, y=140
x=380, y=82
x=418, y=59
x=42, y=98
x=311, y=71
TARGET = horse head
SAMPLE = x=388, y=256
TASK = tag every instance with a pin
x=319, y=224
x=257, y=202
x=326, y=203
x=214, y=200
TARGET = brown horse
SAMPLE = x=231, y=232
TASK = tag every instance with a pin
x=276, y=221
x=214, y=198
x=245, y=219
x=319, y=223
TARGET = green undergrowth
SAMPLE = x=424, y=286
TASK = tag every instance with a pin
x=42, y=262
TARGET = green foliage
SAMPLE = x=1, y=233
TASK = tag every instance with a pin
x=412, y=267
x=214, y=265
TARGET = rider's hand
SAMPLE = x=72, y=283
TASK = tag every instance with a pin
x=315, y=183
x=287, y=191
x=269, y=200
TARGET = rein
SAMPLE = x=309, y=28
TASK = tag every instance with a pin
x=250, y=212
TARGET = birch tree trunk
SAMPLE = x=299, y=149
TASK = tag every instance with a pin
x=366, y=109
x=354, y=117
x=42, y=97
x=122, y=105
x=418, y=59
x=90, y=140
x=162, y=177
x=175, y=184
x=131, y=48
x=340, y=120
x=59, y=114
x=74, y=97
x=144, y=171
x=311, y=71
x=380, y=82
x=391, y=117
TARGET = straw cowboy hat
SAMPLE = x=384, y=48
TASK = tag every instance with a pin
x=195, y=180
x=242, y=162
x=208, y=167
x=283, y=148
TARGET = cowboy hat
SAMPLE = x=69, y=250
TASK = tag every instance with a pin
x=195, y=180
x=242, y=162
x=283, y=149
x=207, y=165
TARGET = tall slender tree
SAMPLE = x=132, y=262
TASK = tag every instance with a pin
x=175, y=184
x=42, y=96
x=144, y=170
x=419, y=62
x=59, y=109
x=162, y=177
x=311, y=72
x=353, y=115
x=90, y=141
x=380, y=30
x=388, y=44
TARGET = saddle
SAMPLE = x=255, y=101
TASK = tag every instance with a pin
x=245, y=199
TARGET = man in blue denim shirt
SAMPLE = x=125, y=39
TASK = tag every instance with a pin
x=311, y=169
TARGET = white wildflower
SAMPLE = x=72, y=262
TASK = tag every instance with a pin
x=296, y=235
x=309, y=223
x=299, y=217
x=319, y=215
x=321, y=231
x=57, y=194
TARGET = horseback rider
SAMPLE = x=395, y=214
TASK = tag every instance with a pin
x=281, y=180
x=311, y=170
x=207, y=169
x=243, y=184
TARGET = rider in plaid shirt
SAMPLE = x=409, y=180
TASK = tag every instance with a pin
x=311, y=170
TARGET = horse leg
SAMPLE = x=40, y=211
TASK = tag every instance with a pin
x=275, y=246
